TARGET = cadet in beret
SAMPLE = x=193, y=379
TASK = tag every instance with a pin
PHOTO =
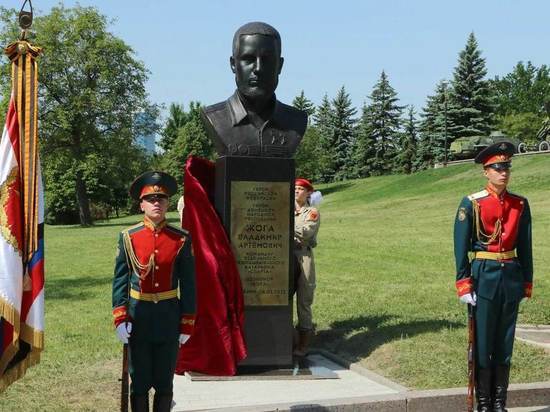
x=154, y=262
x=495, y=225
x=306, y=226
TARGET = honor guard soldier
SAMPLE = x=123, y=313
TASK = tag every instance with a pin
x=306, y=225
x=153, y=293
x=494, y=225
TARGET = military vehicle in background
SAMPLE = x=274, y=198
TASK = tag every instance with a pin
x=469, y=147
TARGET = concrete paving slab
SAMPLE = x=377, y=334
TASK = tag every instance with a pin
x=252, y=394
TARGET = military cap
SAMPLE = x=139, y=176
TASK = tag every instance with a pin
x=153, y=183
x=498, y=155
x=304, y=183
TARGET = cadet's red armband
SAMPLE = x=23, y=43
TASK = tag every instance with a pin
x=120, y=315
x=187, y=324
x=464, y=286
x=528, y=289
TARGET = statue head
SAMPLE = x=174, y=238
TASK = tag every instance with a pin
x=256, y=61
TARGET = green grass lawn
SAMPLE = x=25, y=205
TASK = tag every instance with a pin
x=385, y=294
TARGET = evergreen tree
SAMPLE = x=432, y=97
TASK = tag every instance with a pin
x=384, y=121
x=407, y=156
x=435, y=128
x=308, y=154
x=343, y=125
x=472, y=109
x=303, y=103
x=323, y=124
x=364, y=149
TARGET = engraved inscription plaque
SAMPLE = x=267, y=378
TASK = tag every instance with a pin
x=260, y=240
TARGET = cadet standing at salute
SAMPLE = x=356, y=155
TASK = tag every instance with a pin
x=495, y=225
x=153, y=262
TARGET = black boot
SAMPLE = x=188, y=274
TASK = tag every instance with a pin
x=139, y=403
x=162, y=402
x=501, y=379
x=483, y=390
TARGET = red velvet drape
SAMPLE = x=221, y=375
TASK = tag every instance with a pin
x=217, y=344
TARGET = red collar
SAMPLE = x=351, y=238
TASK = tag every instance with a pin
x=151, y=225
x=493, y=193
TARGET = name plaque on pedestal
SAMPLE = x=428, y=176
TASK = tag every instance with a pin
x=260, y=240
x=255, y=201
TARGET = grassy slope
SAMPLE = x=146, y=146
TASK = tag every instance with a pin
x=385, y=292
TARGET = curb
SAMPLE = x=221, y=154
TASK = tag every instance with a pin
x=436, y=400
x=439, y=400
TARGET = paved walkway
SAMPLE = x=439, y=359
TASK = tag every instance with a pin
x=531, y=409
x=200, y=395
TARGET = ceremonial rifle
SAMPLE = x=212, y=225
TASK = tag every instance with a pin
x=124, y=380
x=471, y=359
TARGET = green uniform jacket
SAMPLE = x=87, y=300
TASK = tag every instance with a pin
x=155, y=261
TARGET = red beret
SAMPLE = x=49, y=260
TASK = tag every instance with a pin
x=304, y=183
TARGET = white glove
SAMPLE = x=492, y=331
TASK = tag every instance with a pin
x=183, y=338
x=524, y=299
x=123, y=331
x=469, y=298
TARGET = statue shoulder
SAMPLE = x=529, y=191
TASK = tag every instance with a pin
x=214, y=113
x=297, y=119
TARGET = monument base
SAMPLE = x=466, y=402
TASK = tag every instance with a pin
x=255, y=201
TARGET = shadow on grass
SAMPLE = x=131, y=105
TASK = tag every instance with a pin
x=372, y=333
x=336, y=188
x=74, y=288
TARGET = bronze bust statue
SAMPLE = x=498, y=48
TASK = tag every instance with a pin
x=252, y=122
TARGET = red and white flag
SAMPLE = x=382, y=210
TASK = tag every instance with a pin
x=21, y=257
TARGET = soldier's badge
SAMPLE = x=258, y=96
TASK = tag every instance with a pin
x=313, y=216
x=462, y=214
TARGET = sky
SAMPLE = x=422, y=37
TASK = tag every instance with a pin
x=326, y=44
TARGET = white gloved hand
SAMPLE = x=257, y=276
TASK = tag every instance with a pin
x=123, y=331
x=183, y=338
x=469, y=298
x=524, y=299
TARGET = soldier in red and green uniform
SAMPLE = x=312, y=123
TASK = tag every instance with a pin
x=494, y=226
x=153, y=293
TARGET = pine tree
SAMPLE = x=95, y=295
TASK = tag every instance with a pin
x=384, y=121
x=473, y=107
x=407, y=155
x=323, y=123
x=343, y=124
x=303, y=103
x=435, y=127
x=364, y=149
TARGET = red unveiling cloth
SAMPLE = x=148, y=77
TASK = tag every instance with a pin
x=217, y=343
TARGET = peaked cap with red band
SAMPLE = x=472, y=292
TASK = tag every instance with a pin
x=304, y=183
x=500, y=152
x=153, y=183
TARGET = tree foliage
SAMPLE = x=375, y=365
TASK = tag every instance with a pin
x=472, y=106
x=384, y=120
x=92, y=91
